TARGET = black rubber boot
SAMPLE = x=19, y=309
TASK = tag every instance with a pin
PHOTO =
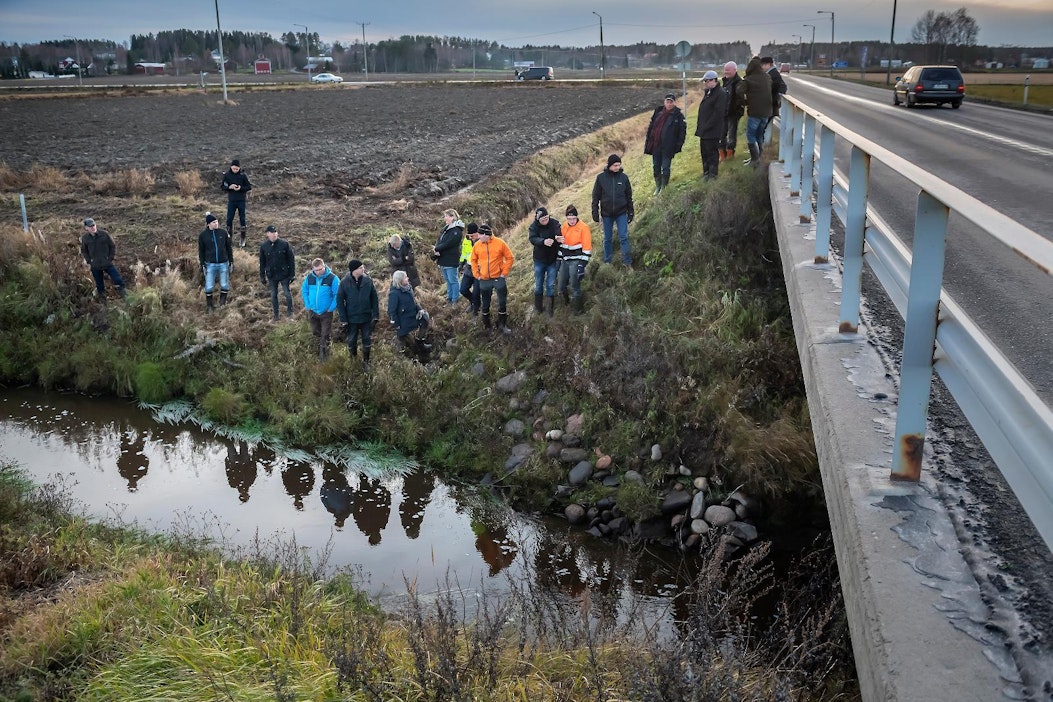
x=502, y=323
x=537, y=303
x=486, y=321
x=577, y=305
x=209, y=305
x=550, y=301
x=122, y=292
x=243, y=237
x=222, y=298
x=365, y=358
x=566, y=296
x=657, y=183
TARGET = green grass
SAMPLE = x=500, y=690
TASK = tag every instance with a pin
x=1037, y=95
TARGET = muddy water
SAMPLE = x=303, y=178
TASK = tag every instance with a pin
x=391, y=524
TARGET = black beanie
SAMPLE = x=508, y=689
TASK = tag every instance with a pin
x=572, y=211
x=209, y=218
x=353, y=265
x=540, y=212
x=472, y=228
x=613, y=159
x=236, y=162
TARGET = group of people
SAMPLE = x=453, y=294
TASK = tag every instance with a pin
x=725, y=101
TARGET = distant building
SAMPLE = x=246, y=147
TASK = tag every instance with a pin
x=150, y=69
x=1040, y=63
x=262, y=66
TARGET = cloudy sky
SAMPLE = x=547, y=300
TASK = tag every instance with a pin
x=569, y=23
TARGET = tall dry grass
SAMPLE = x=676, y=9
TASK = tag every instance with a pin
x=189, y=183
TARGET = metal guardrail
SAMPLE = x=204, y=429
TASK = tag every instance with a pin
x=1012, y=421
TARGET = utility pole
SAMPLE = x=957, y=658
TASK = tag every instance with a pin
x=603, y=60
x=799, y=40
x=891, y=44
x=76, y=44
x=811, y=55
x=832, y=15
x=222, y=60
x=365, y=48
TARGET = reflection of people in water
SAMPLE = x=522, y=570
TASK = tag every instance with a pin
x=496, y=548
x=336, y=494
x=298, y=480
x=556, y=566
x=241, y=468
x=132, y=462
x=371, y=508
x=416, y=493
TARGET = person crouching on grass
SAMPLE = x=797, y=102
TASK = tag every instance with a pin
x=407, y=316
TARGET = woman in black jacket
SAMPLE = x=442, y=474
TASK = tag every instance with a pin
x=406, y=315
x=447, y=253
x=401, y=258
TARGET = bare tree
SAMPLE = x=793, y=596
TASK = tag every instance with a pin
x=943, y=29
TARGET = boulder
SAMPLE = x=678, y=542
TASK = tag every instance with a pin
x=574, y=513
x=618, y=525
x=575, y=423
x=580, y=474
x=719, y=515
x=571, y=439
x=743, y=531
x=553, y=449
x=684, y=471
x=603, y=462
x=678, y=500
x=515, y=428
x=611, y=481
x=699, y=526
x=632, y=476
x=511, y=382
x=656, y=452
x=554, y=435
x=701, y=484
x=514, y=462
x=573, y=455
x=522, y=449
x=698, y=505
x=478, y=369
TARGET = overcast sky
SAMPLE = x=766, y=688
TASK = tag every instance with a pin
x=569, y=23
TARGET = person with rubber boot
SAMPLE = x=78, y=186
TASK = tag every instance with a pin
x=237, y=186
x=491, y=263
x=755, y=92
x=730, y=83
x=710, y=129
x=319, y=291
x=575, y=250
x=409, y=320
x=98, y=250
x=215, y=253
x=358, y=305
x=469, y=285
x=664, y=139
x=546, y=237
x=277, y=267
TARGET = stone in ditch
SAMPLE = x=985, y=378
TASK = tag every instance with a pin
x=699, y=526
x=656, y=453
x=719, y=515
x=580, y=474
x=603, y=463
x=677, y=501
x=511, y=382
x=698, y=505
x=553, y=449
x=574, y=513
x=573, y=455
x=632, y=476
x=554, y=435
x=515, y=428
x=743, y=531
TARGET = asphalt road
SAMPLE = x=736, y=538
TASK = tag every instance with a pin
x=997, y=155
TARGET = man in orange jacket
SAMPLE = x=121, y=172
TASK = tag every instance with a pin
x=491, y=263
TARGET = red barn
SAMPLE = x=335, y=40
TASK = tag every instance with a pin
x=150, y=69
x=262, y=65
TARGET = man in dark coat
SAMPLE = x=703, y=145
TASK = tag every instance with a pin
x=755, y=92
x=711, y=117
x=98, y=250
x=730, y=83
x=277, y=267
x=778, y=88
x=215, y=253
x=359, y=308
x=546, y=237
x=612, y=203
x=665, y=138
x=236, y=185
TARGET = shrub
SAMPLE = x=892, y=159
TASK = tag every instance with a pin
x=152, y=384
x=225, y=406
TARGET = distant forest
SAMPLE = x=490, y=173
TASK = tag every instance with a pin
x=185, y=51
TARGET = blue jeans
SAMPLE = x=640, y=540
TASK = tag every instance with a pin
x=622, y=221
x=755, y=130
x=545, y=278
x=571, y=272
x=100, y=283
x=210, y=277
x=661, y=164
x=453, y=286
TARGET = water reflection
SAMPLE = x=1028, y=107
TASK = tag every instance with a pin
x=119, y=461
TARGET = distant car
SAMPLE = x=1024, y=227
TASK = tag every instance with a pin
x=535, y=73
x=326, y=78
x=931, y=84
x=785, y=67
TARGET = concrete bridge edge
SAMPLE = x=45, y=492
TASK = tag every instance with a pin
x=914, y=610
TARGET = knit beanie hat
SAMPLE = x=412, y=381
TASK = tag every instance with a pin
x=485, y=230
x=472, y=228
x=354, y=264
x=236, y=162
x=613, y=159
x=572, y=211
x=209, y=218
x=540, y=212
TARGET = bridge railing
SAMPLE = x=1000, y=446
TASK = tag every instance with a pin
x=1012, y=421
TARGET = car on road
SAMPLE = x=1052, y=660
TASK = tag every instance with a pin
x=785, y=67
x=930, y=84
x=326, y=78
x=535, y=73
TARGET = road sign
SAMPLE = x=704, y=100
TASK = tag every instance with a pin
x=682, y=49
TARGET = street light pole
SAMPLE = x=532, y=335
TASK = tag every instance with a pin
x=307, y=34
x=80, y=83
x=799, y=40
x=811, y=55
x=831, y=13
x=891, y=44
x=603, y=60
x=365, y=49
x=222, y=60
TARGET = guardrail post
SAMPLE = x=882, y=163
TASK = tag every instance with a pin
x=807, y=169
x=824, y=194
x=785, y=135
x=798, y=139
x=855, y=226
x=919, y=336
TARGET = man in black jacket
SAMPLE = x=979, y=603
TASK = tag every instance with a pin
x=730, y=83
x=612, y=203
x=665, y=138
x=546, y=238
x=216, y=256
x=98, y=250
x=236, y=185
x=778, y=89
x=711, y=118
x=277, y=267
x=359, y=309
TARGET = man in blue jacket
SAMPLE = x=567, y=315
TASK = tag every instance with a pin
x=319, y=291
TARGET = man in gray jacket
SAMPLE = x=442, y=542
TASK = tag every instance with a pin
x=98, y=250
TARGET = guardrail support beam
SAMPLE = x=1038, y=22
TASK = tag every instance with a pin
x=919, y=336
x=824, y=194
x=855, y=228
x=807, y=169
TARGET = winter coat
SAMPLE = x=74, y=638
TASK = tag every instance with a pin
x=98, y=249
x=612, y=195
x=674, y=131
x=538, y=233
x=402, y=310
x=277, y=261
x=213, y=246
x=231, y=178
x=712, y=113
x=319, y=291
x=577, y=242
x=735, y=106
x=449, y=244
x=778, y=89
x=357, y=301
x=755, y=90
x=491, y=259
x=403, y=259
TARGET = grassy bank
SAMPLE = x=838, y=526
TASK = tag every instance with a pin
x=91, y=612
